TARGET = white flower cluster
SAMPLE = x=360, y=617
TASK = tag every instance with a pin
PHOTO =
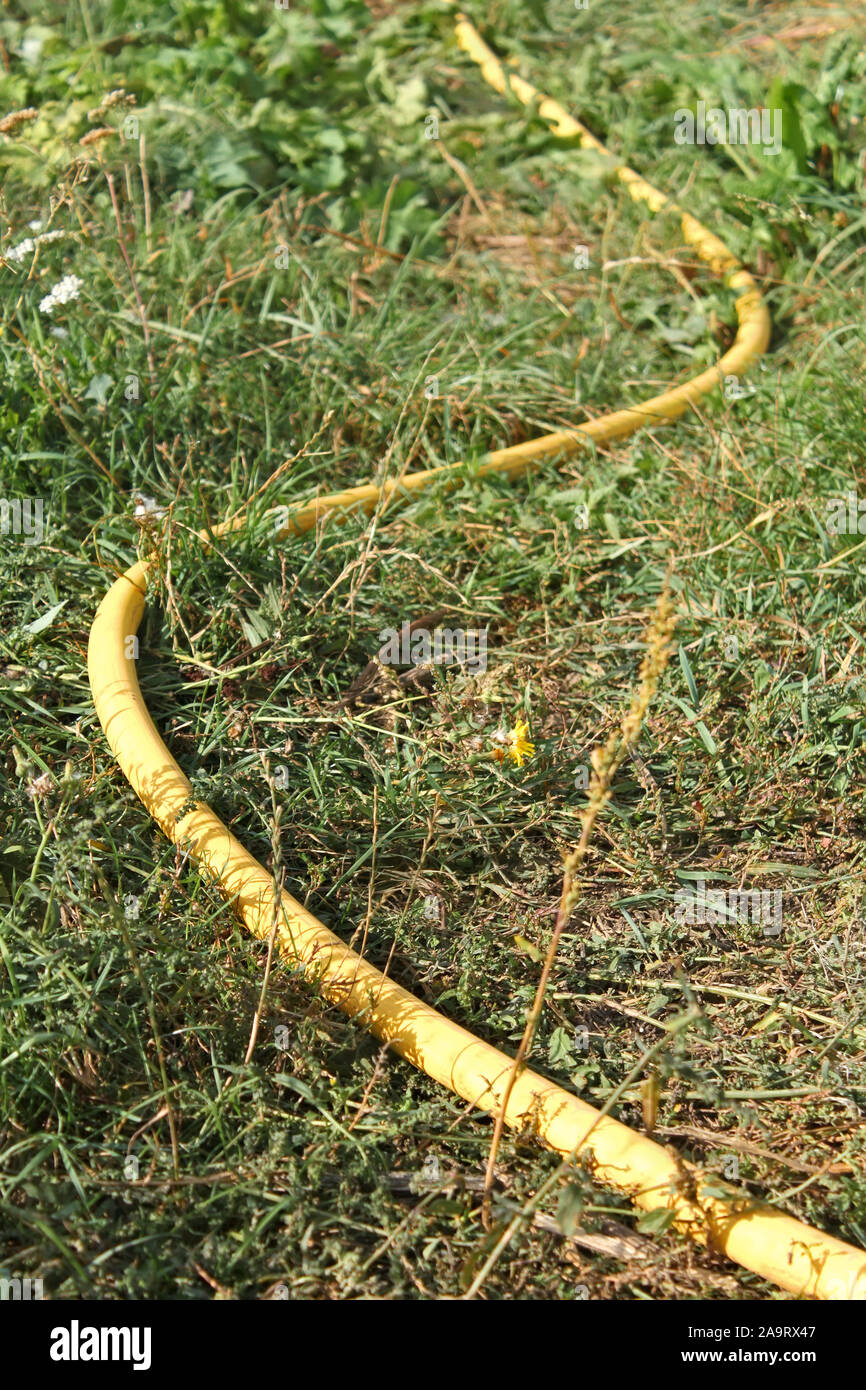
x=24, y=248
x=66, y=289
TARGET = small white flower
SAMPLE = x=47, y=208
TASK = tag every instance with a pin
x=31, y=47
x=24, y=248
x=66, y=289
x=148, y=507
x=17, y=253
x=39, y=787
x=35, y=225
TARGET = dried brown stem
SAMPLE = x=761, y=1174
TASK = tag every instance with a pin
x=605, y=762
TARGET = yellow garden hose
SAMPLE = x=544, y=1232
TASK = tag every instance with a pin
x=775, y=1246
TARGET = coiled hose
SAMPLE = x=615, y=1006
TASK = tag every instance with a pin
x=775, y=1246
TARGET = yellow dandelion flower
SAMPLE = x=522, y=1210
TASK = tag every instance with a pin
x=519, y=747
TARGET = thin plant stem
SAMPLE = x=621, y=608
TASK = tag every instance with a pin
x=605, y=762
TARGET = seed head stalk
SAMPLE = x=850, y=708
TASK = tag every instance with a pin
x=605, y=762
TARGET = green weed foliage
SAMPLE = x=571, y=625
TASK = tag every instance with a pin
x=267, y=233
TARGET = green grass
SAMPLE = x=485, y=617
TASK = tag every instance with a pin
x=264, y=129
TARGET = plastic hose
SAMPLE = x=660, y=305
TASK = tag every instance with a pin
x=775, y=1246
